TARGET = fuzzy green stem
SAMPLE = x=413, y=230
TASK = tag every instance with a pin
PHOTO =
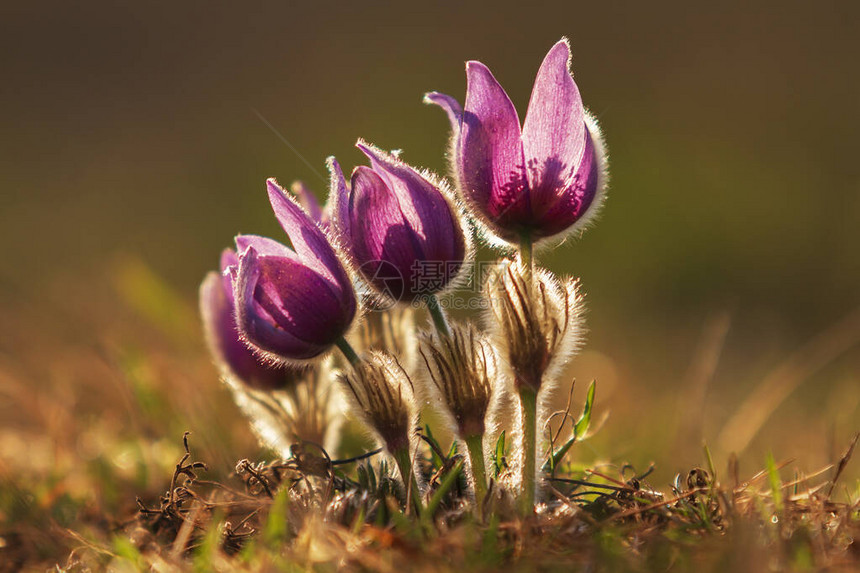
x=439, y=319
x=526, y=247
x=348, y=351
x=475, y=447
x=528, y=411
x=404, y=464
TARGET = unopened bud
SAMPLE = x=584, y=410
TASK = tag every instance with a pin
x=383, y=394
x=536, y=320
x=462, y=368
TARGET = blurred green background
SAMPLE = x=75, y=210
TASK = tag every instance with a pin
x=133, y=150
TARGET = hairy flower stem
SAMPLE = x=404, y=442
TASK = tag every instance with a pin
x=348, y=351
x=528, y=411
x=404, y=464
x=475, y=447
x=526, y=246
x=439, y=319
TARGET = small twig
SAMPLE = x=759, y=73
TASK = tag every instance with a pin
x=668, y=502
x=246, y=466
x=843, y=462
x=226, y=488
x=356, y=458
x=329, y=469
x=597, y=485
x=759, y=475
x=606, y=477
x=246, y=519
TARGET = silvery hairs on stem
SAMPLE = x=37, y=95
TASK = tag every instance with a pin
x=535, y=324
x=392, y=330
x=462, y=371
x=309, y=410
x=383, y=397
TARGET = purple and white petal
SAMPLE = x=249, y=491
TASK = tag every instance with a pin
x=554, y=134
x=222, y=337
x=264, y=327
x=491, y=160
x=450, y=106
x=264, y=246
x=578, y=195
x=308, y=240
x=422, y=204
x=338, y=198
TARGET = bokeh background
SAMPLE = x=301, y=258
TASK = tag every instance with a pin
x=723, y=278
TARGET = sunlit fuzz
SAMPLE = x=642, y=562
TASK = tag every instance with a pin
x=234, y=359
x=311, y=410
x=462, y=370
x=535, y=325
x=544, y=179
x=383, y=397
x=292, y=304
x=392, y=330
x=399, y=226
x=461, y=367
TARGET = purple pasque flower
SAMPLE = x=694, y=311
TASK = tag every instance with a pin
x=399, y=227
x=232, y=355
x=538, y=181
x=292, y=305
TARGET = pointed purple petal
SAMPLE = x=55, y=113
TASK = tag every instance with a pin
x=384, y=245
x=338, y=198
x=450, y=106
x=264, y=246
x=257, y=327
x=421, y=203
x=214, y=306
x=554, y=134
x=307, y=239
x=577, y=196
x=308, y=200
x=491, y=162
x=300, y=301
x=229, y=258
x=223, y=340
x=374, y=210
x=287, y=309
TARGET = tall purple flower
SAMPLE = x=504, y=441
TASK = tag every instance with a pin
x=400, y=229
x=538, y=181
x=291, y=304
x=234, y=358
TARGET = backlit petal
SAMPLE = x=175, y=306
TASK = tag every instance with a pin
x=554, y=134
x=491, y=161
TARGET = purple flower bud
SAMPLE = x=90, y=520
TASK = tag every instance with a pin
x=291, y=304
x=234, y=358
x=399, y=227
x=541, y=180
